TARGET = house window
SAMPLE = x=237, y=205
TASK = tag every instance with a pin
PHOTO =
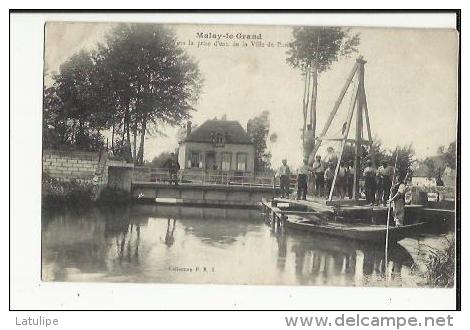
x=226, y=161
x=195, y=160
x=241, y=162
x=219, y=139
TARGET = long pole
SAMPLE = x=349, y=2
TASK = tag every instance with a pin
x=359, y=123
x=369, y=133
x=345, y=138
x=388, y=215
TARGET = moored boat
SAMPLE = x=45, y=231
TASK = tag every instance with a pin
x=357, y=231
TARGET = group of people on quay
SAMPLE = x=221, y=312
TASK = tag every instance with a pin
x=319, y=178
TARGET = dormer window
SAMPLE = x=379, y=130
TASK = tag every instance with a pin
x=218, y=139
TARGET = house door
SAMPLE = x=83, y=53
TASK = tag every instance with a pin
x=210, y=161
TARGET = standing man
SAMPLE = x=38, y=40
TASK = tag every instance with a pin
x=387, y=177
x=318, y=173
x=341, y=178
x=398, y=200
x=380, y=196
x=302, y=178
x=284, y=180
x=331, y=157
x=369, y=182
x=173, y=168
x=329, y=176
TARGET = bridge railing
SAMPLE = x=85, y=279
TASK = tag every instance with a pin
x=162, y=175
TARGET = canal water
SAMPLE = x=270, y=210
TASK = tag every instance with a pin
x=162, y=244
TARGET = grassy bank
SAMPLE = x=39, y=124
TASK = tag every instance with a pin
x=73, y=192
x=440, y=265
x=78, y=193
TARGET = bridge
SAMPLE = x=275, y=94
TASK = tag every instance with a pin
x=202, y=194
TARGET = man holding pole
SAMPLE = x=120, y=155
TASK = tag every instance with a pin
x=398, y=200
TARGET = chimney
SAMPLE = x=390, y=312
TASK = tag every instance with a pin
x=188, y=128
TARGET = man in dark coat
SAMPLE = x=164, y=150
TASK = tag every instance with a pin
x=173, y=168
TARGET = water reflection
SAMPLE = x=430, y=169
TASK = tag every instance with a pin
x=146, y=243
x=327, y=260
x=169, y=237
x=281, y=239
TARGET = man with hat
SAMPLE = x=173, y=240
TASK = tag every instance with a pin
x=370, y=182
x=302, y=179
x=318, y=173
x=284, y=180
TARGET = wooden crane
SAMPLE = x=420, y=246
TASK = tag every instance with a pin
x=358, y=106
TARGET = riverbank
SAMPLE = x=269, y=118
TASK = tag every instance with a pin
x=78, y=193
x=434, y=257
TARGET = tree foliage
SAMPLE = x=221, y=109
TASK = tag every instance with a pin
x=258, y=130
x=137, y=80
x=449, y=155
x=435, y=166
x=160, y=160
x=404, y=161
x=72, y=109
x=320, y=46
x=153, y=80
x=313, y=50
x=433, y=170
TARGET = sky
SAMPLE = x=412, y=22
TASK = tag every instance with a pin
x=411, y=83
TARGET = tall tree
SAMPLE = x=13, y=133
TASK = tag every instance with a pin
x=258, y=130
x=151, y=81
x=73, y=111
x=433, y=170
x=405, y=159
x=313, y=51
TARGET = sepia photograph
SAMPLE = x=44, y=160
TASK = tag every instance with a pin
x=249, y=155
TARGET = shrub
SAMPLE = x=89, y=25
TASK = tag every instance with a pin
x=440, y=265
x=66, y=192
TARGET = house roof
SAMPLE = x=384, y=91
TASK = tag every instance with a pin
x=232, y=130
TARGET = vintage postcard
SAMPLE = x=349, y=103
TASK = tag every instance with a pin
x=249, y=155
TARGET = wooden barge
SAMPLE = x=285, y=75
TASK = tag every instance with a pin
x=334, y=220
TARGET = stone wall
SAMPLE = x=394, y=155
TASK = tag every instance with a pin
x=69, y=165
